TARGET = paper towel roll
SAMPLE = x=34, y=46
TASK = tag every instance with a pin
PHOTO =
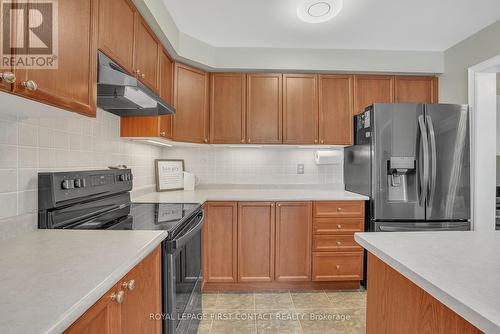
x=332, y=157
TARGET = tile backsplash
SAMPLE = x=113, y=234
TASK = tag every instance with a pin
x=35, y=137
x=266, y=165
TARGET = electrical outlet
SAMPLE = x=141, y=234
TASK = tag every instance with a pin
x=300, y=168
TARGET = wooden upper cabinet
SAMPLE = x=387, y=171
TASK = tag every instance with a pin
x=264, y=108
x=293, y=241
x=146, y=54
x=369, y=89
x=227, y=108
x=72, y=85
x=300, y=109
x=166, y=73
x=336, y=99
x=166, y=90
x=191, y=101
x=116, y=31
x=412, y=89
x=220, y=242
x=256, y=230
x=144, y=298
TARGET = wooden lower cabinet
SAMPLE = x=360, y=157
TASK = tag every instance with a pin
x=396, y=305
x=256, y=230
x=141, y=293
x=279, y=245
x=293, y=241
x=338, y=266
x=336, y=255
x=219, y=242
x=144, y=298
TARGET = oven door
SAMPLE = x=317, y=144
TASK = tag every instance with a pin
x=182, y=280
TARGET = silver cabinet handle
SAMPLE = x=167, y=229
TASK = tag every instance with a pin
x=30, y=85
x=8, y=77
x=118, y=297
x=130, y=285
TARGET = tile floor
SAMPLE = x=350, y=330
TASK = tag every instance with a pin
x=284, y=312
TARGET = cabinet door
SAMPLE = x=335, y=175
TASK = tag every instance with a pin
x=227, y=108
x=293, y=241
x=143, y=291
x=256, y=228
x=264, y=108
x=336, y=99
x=300, y=109
x=72, y=85
x=219, y=242
x=410, y=89
x=166, y=90
x=191, y=101
x=369, y=89
x=145, y=54
x=116, y=31
x=102, y=318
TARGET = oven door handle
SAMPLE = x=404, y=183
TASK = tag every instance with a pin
x=178, y=243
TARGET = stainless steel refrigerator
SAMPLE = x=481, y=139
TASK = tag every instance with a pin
x=413, y=161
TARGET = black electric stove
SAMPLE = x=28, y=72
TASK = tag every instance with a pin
x=100, y=200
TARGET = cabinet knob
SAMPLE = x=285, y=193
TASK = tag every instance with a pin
x=338, y=266
x=130, y=285
x=248, y=140
x=138, y=72
x=339, y=226
x=30, y=85
x=118, y=297
x=322, y=141
x=339, y=209
x=243, y=141
x=279, y=204
x=143, y=75
x=315, y=141
x=339, y=243
x=8, y=77
x=163, y=134
x=205, y=140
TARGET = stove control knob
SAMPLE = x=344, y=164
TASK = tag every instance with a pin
x=123, y=177
x=68, y=184
x=79, y=183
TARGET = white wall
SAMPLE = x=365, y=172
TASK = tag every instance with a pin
x=266, y=165
x=193, y=51
x=35, y=137
x=453, y=84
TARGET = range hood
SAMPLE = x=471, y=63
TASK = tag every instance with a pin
x=124, y=95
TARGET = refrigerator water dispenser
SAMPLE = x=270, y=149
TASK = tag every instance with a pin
x=399, y=172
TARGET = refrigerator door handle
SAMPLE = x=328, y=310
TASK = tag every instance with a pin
x=410, y=229
x=423, y=162
x=432, y=181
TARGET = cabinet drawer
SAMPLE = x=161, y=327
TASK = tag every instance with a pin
x=346, y=266
x=337, y=226
x=332, y=243
x=355, y=209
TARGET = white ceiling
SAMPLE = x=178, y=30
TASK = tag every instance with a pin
x=427, y=25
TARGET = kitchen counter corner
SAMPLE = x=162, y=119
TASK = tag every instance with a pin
x=49, y=278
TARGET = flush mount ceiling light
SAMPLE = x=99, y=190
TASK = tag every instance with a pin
x=316, y=11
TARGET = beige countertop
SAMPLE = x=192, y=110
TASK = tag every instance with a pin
x=49, y=278
x=460, y=269
x=251, y=193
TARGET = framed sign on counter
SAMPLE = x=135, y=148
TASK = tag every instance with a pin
x=169, y=174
